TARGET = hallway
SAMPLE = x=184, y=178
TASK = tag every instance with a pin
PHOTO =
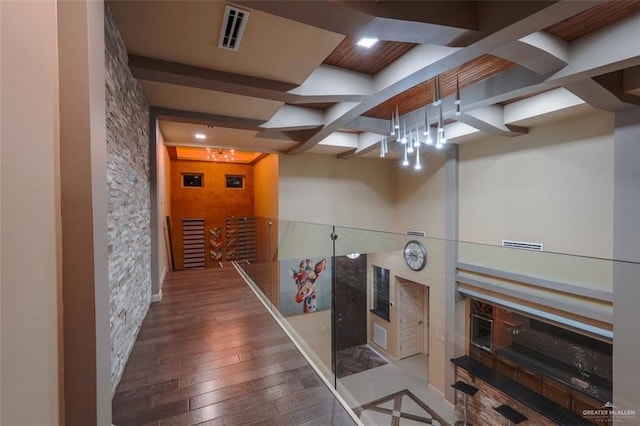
x=210, y=353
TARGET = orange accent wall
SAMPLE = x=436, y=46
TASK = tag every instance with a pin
x=214, y=201
x=266, y=208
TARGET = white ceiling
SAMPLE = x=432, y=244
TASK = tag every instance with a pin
x=258, y=98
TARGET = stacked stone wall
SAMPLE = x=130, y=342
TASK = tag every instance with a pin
x=129, y=216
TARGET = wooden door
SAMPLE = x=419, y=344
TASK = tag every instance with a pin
x=411, y=318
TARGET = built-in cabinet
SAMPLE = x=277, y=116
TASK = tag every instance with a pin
x=581, y=402
x=529, y=379
x=557, y=392
x=482, y=356
x=507, y=368
x=506, y=330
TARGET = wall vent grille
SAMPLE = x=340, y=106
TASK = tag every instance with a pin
x=417, y=233
x=380, y=336
x=523, y=245
x=233, y=25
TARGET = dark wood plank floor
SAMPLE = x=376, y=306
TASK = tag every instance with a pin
x=210, y=353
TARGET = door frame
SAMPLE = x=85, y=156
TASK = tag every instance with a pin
x=424, y=294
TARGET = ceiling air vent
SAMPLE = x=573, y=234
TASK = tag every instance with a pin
x=233, y=25
x=522, y=245
x=417, y=233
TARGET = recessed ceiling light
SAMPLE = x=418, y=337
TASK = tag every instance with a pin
x=201, y=136
x=366, y=42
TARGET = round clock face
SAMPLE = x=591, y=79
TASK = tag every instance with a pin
x=415, y=255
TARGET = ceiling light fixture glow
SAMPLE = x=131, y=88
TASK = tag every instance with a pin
x=367, y=42
x=201, y=136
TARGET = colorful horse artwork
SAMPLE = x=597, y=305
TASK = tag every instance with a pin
x=305, y=278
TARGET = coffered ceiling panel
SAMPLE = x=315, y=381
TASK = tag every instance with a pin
x=594, y=18
x=348, y=93
x=420, y=95
x=369, y=61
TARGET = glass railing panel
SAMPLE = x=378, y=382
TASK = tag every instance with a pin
x=261, y=266
x=383, y=303
x=304, y=283
x=574, y=292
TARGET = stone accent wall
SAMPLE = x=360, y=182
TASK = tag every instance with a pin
x=480, y=406
x=129, y=218
x=567, y=353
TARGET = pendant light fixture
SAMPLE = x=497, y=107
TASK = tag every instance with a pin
x=392, y=130
x=411, y=142
x=440, y=140
x=457, y=99
x=384, y=148
x=417, y=166
x=405, y=159
x=427, y=127
x=437, y=100
x=403, y=140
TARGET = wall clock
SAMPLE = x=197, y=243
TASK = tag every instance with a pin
x=415, y=255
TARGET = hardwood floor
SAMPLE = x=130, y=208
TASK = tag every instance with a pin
x=210, y=353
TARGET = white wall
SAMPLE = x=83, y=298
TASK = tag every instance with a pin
x=322, y=189
x=433, y=277
x=29, y=217
x=553, y=186
x=376, y=195
x=420, y=197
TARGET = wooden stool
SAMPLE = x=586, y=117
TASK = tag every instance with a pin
x=466, y=389
x=510, y=414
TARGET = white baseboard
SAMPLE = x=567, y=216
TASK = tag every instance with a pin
x=158, y=297
x=439, y=392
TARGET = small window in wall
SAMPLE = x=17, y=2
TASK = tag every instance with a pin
x=235, y=181
x=192, y=180
x=381, y=292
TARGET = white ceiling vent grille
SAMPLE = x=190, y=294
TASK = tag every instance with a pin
x=417, y=233
x=233, y=25
x=523, y=245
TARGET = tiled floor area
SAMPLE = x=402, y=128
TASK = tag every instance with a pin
x=380, y=382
